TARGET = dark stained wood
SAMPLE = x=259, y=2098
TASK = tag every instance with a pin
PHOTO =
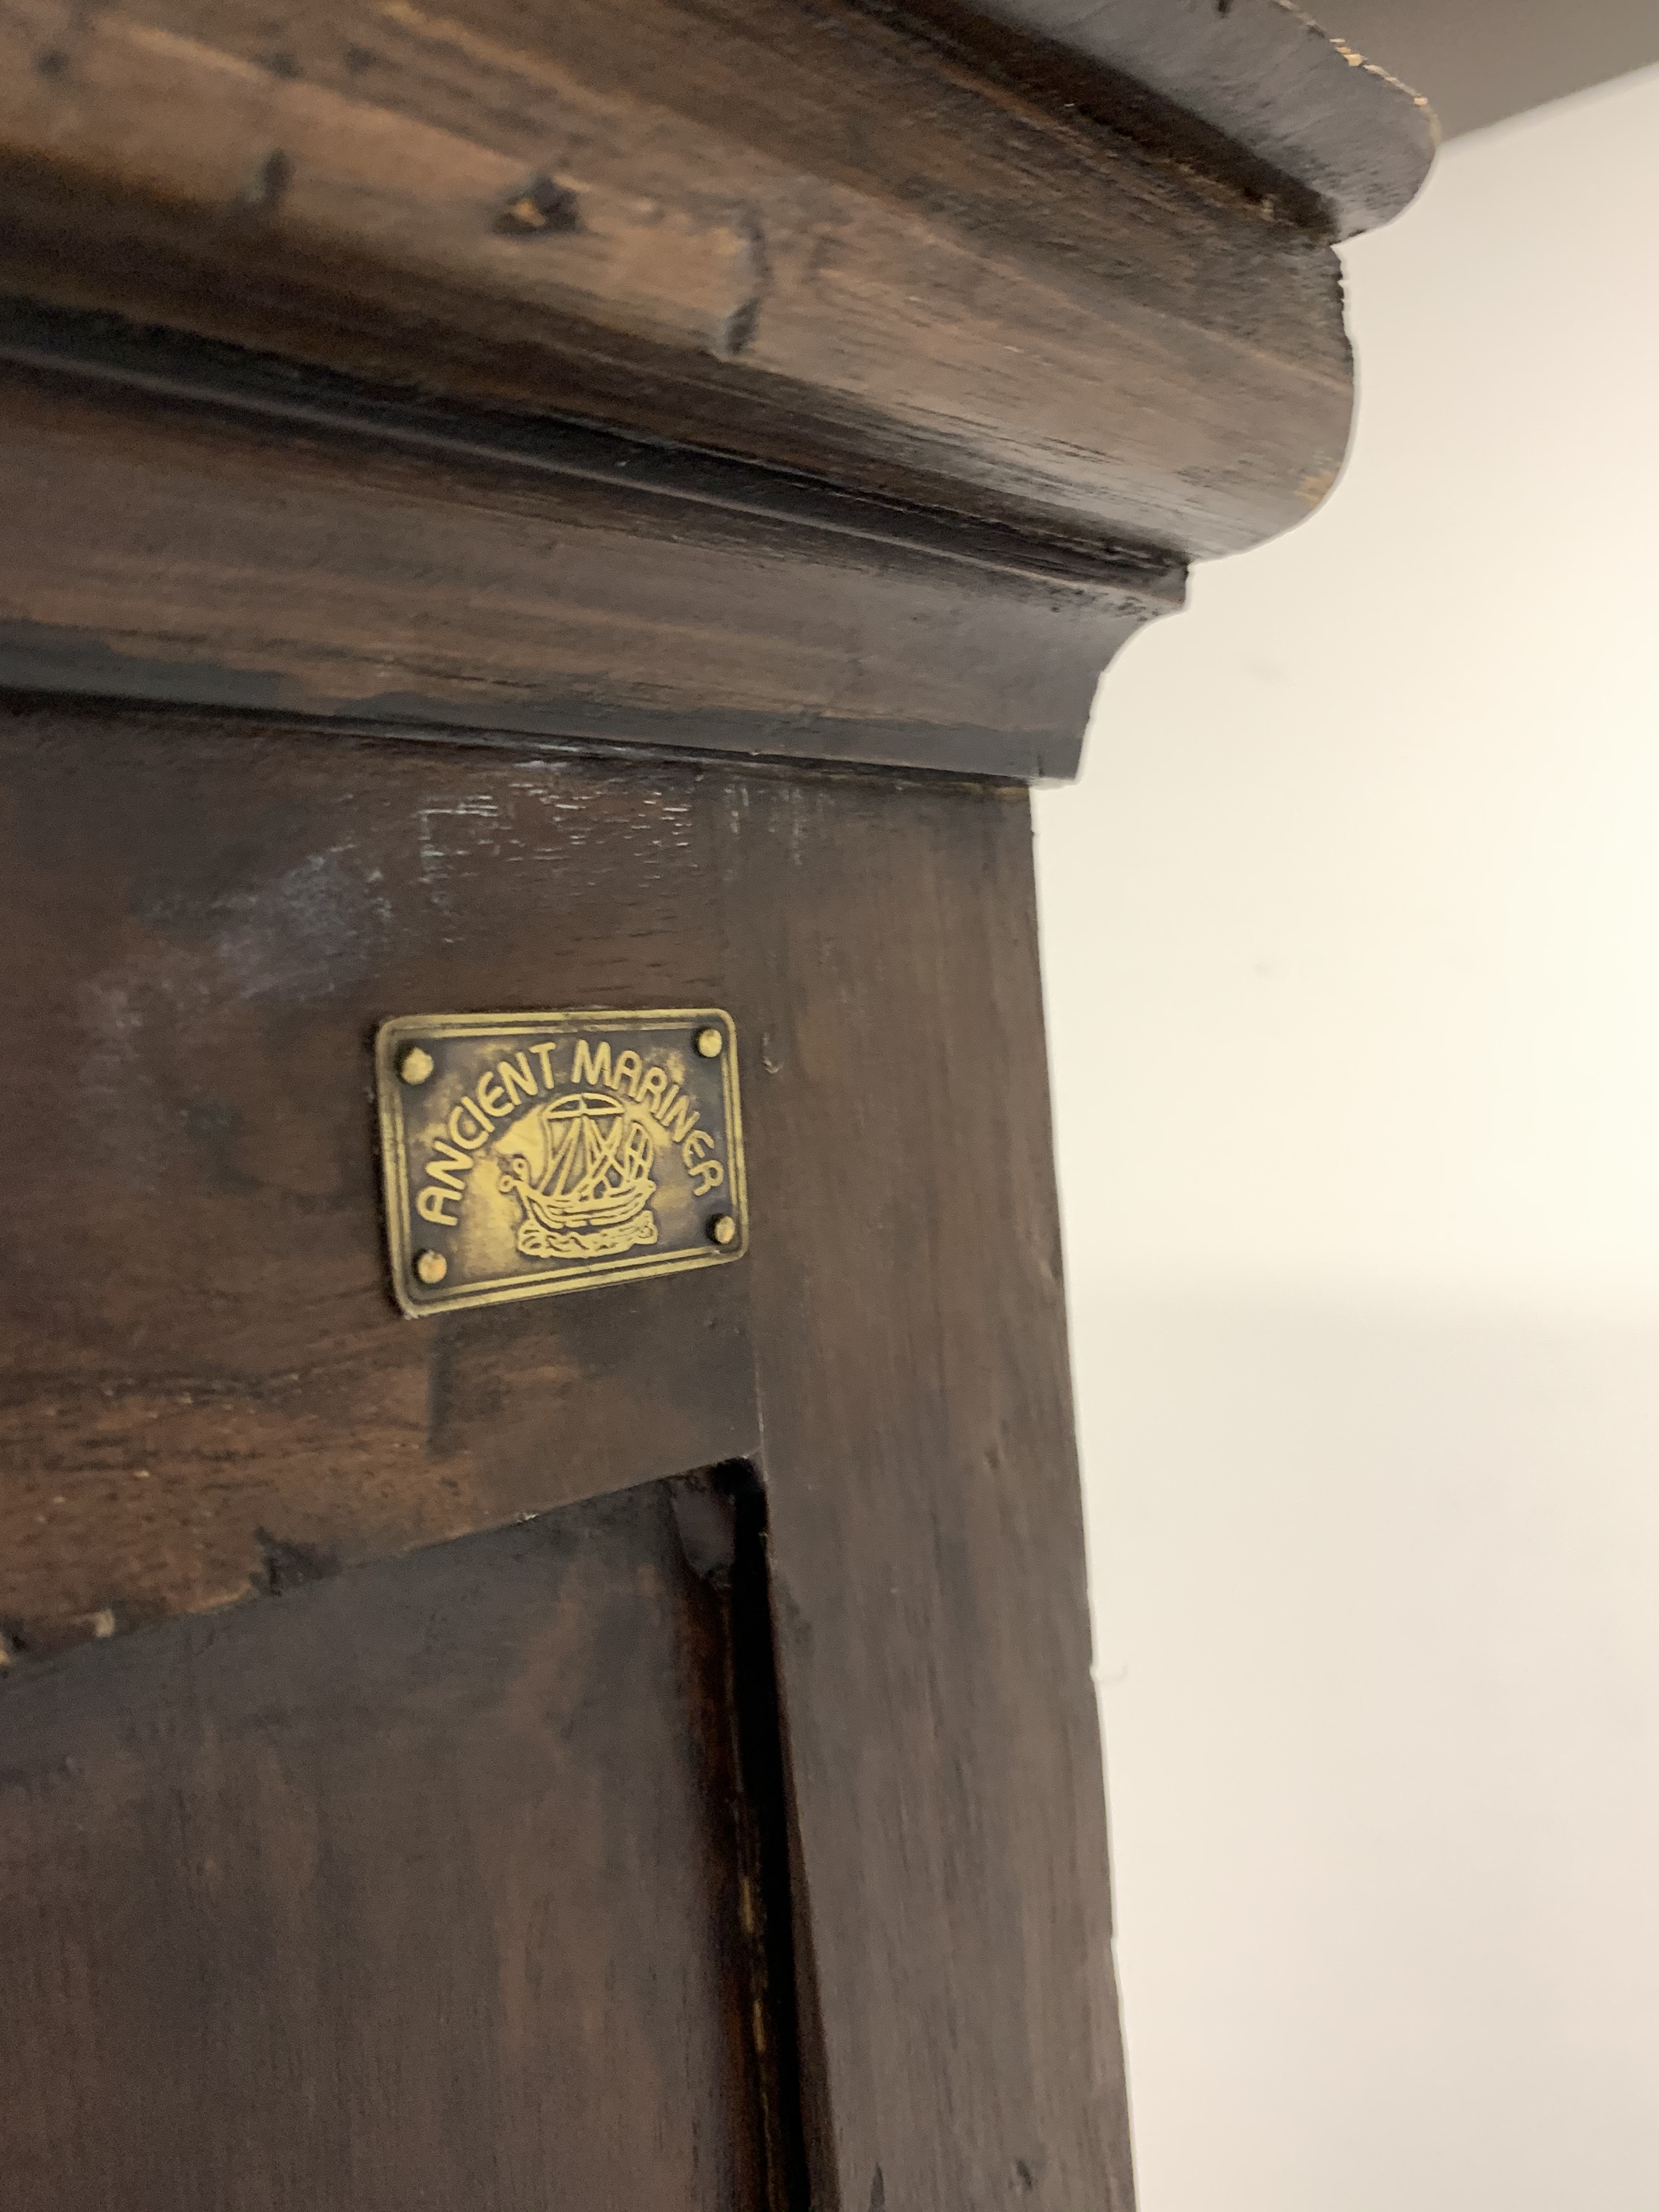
x=207, y=918
x=755, y=376
x=795, y=231
x=279, y=553
x=1305, y=117
x=927, y=1534
x=375, y=1897
x=206, y=1387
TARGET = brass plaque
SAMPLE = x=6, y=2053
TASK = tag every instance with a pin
x=530, y=1153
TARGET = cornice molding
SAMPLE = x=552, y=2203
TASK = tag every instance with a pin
x=822, y=276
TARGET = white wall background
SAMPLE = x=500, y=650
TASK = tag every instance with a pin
x=1353, y=939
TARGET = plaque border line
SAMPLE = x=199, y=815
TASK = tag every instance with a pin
x=391, y=1035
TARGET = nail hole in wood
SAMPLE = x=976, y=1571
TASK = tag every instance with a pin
x=541, y=207
x=269, y=184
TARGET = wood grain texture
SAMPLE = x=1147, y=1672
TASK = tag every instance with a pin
x=153, y=545
x=204, y=921
x=927, y=1534
x=835, y=248
x=371, y=1899
x=791, y=230
x=1259, y=76
x=206, y=1391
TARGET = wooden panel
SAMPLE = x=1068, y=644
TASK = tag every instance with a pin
x=799, y=234
x=372, y=1898
x=155, y=547
x=207, y=1388
x=205, y=925
x=927, y=1532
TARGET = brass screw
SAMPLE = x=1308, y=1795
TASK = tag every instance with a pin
x=430, y=1267
x=723, y=1229
x=416, y=1064
x=711, y=1042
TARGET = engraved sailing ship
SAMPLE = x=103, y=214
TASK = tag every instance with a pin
x=586, y=1184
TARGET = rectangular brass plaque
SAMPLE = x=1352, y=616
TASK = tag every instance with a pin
x=530, y=1153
